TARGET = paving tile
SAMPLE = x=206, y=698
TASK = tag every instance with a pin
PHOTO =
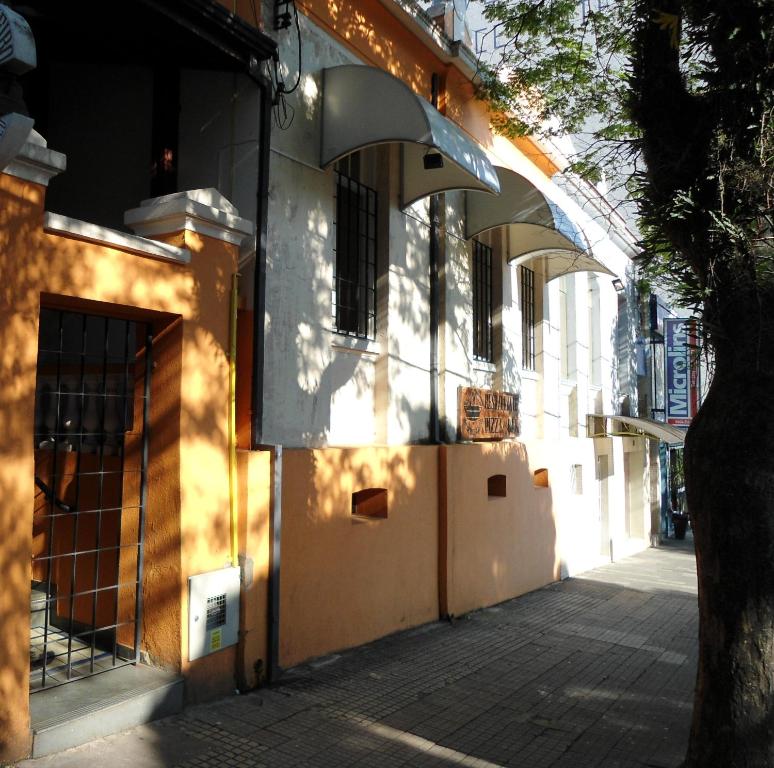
x=593, y=672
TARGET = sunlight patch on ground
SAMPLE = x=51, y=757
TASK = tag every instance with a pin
x=425, y=745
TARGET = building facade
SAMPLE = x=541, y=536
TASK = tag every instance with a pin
x=299, y=352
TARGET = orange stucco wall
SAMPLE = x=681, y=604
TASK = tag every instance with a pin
x=187, y=529
x=496, y=548
x=348, y=580
x=254, y=495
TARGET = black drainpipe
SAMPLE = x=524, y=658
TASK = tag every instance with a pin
x=262, y=225
x=435, y=304
x=273, y=670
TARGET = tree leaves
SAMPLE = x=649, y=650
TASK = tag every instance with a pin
x=676, y=97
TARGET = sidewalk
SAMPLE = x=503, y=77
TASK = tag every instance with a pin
x=594, y=672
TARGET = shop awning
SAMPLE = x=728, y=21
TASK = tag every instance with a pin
x=650, y=428
x=365, y=106
x=539, y=228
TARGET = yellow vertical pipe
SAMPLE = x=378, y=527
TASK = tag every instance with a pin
x=232, y=440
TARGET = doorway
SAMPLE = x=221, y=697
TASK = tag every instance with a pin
x=90, y=445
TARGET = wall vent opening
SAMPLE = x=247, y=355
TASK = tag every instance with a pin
x=370, y=502
x=540, y=478
x=216, y=611
x=496, y=486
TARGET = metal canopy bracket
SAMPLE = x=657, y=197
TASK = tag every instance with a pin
x=365, y=106
x=640, y=427
x=540, y=228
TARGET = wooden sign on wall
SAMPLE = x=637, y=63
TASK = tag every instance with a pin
x=485, y=414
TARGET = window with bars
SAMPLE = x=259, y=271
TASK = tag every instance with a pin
x=354, y=278
x=483, y=348
x=527, y=290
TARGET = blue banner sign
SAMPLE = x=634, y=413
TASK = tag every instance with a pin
x=680, y=384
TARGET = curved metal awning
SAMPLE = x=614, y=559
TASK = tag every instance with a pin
x=539, y=228
x=650, y=428
x=558, y=262
x=365, y=106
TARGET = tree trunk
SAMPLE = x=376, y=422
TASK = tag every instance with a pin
x=729, y=469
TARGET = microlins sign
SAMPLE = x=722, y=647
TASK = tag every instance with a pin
x=682, y=371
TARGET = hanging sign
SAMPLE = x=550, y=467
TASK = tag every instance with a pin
x=485, y=414
x=681, y=370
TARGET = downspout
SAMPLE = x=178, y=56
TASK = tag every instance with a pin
x=232, y=436
x=273, y=670
x=262, y=226
x=435, y=306
x=256, y=403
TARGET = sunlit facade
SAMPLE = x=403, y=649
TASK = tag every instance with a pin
x=300, y=355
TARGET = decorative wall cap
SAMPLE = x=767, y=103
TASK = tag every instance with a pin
x=35, y=162
x=204, y=211
x=112, y=238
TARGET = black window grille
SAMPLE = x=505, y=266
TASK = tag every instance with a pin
x=354, y=278
x=483, y=348
x=527, y=284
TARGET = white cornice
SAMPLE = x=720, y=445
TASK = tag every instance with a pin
x=204, y=211
x=36, y=162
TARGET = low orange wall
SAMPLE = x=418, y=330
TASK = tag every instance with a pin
x=496, y=548
x=254, y=495
x=347, y=580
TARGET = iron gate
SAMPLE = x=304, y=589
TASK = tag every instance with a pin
x=91, y=456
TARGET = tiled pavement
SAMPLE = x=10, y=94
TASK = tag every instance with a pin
x=594, y=672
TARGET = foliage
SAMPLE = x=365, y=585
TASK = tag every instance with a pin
x=679, y=95
x=685, y=90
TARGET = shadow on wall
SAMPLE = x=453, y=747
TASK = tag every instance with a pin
x=188, y=447
x=444, y=544
x=321, y=387
x=501, y=530
x=348, y=578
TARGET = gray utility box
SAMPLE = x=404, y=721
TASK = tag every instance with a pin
x=213, y=611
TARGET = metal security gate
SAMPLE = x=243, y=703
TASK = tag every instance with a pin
x=91, y=457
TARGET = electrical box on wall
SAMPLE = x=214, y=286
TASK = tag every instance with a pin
x=213, y=611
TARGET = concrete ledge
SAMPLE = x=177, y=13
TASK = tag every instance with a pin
x=36, y=162
x=110, y=702
x=204, y=211
x=55, y=223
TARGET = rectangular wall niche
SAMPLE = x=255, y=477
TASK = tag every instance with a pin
x=540, y=478
x=370, y=502
x=496, y=486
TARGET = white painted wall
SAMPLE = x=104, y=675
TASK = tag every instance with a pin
x=324, y=389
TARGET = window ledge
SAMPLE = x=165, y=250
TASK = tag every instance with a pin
x=482, y=365
x=566, y=386
x=355, y=345
x=529, y=374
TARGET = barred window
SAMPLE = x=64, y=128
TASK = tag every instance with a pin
x=354, y=278
x=483, y=348
x=527, y=288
